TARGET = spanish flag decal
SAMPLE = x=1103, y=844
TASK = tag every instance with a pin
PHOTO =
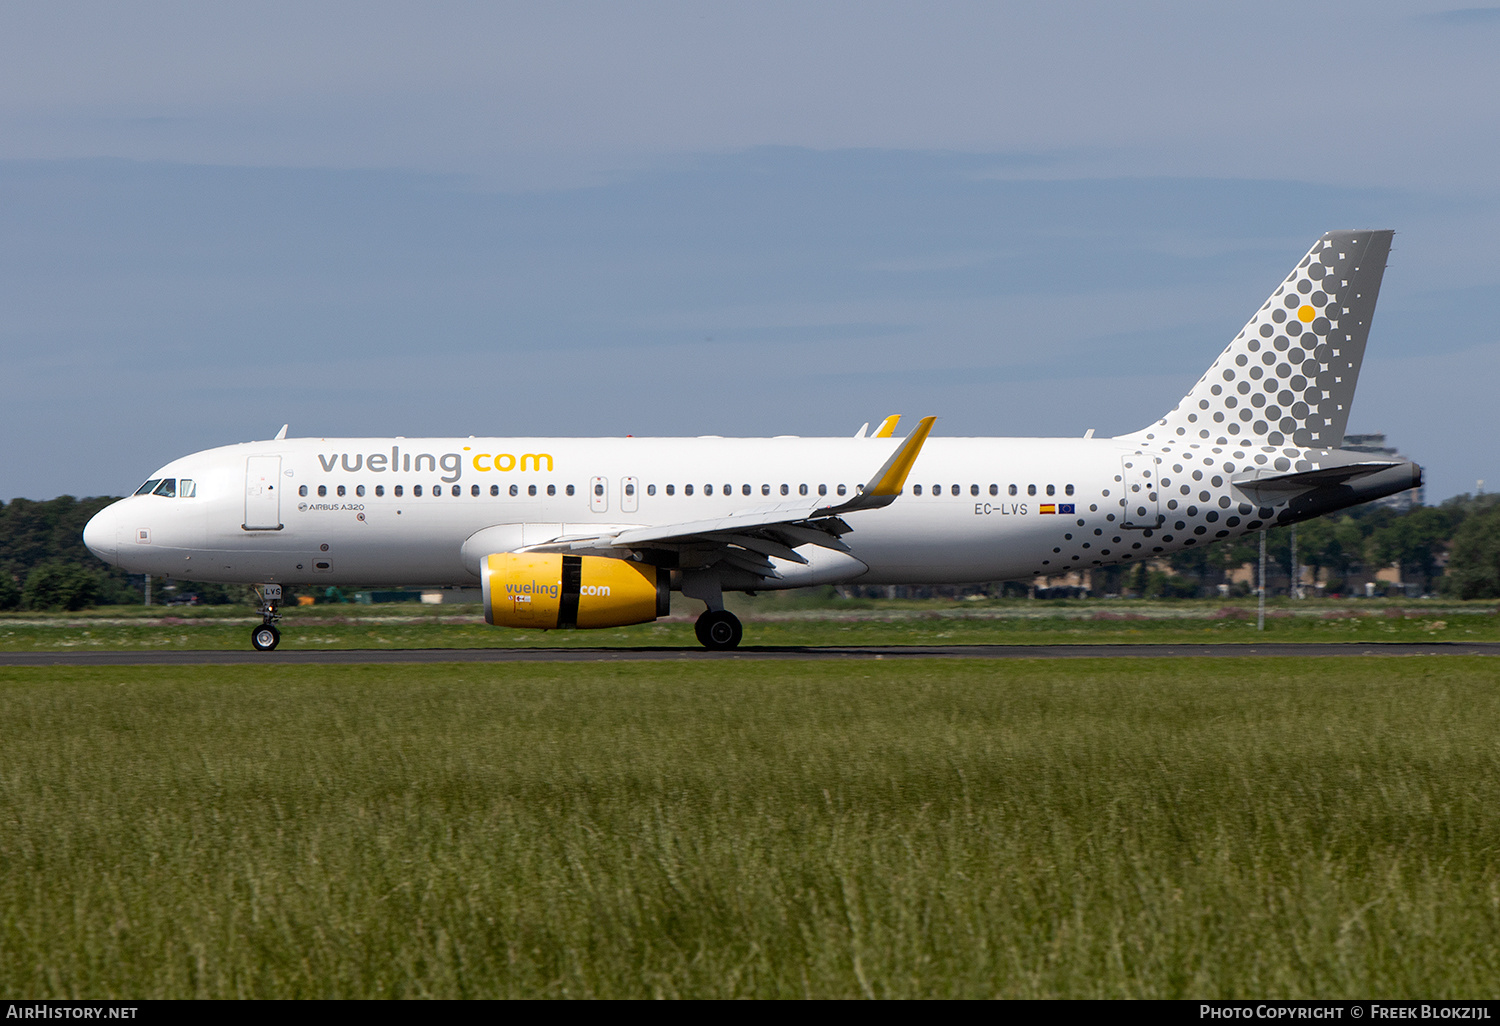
x=1048, y=507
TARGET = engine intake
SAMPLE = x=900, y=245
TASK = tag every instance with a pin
x=546, y=591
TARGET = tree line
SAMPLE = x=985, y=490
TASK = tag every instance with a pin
x=44, y=564
x=1451, y=549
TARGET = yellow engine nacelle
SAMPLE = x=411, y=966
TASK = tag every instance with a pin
x=547, y=591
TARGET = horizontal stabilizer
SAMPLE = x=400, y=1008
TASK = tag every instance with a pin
x=1260, y=479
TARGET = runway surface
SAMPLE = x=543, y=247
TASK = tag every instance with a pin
x=347, y=657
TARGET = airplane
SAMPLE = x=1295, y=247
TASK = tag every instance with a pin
x=597, y=532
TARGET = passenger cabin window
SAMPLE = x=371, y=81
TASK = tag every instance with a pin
x=380, y=490
x=1068, y=490
x=708, y=489
x=973, y=489
x=323, y=490
x=671, y=489
x=302, y=491
x=569, y=490
x=341, y=491
x=514, y=491
x=687, y=489
x=1051, y=490
x=1031, y=489
x=629, y=489
x=650, y=490
x=531, y=489
x=956, y=490
x=359, y=490
x=841, y=489
x=494, y=489
x=729, y=489
x=822, y=489
x=746, y=489
x=1012, y=489
x=765, y=489
x=457, y=491
x=474, y=491
x=146, y=488
x=396, y=491
x=802, y=489
x=167, y=489
x=415, y=490
x=994, y=489
x=916, y=489
x=784, y=490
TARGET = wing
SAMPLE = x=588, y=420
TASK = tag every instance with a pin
x=749, y=538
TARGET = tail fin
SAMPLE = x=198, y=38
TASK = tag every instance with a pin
x=1288, y=378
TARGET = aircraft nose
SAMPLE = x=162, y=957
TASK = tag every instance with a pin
x=100, y=534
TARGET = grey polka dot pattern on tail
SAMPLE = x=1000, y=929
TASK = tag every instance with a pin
x=1303, y=348
x=1276, y=401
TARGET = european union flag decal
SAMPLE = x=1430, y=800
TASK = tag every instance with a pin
x=1066, y=507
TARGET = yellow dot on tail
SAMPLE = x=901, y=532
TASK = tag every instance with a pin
x=1306, y=314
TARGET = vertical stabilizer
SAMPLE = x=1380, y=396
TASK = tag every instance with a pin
x=1288, y=378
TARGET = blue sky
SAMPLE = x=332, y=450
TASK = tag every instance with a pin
x=693, y=219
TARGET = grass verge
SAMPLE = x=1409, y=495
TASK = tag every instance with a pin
x=1095, y=828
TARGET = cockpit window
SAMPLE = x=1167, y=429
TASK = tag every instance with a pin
x=186, y=488
x=145, y=489
x=167, y=489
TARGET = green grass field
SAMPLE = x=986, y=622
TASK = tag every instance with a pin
x=1226, y=827
x=769, y=621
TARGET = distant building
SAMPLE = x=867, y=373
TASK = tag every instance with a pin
x=1375, y=445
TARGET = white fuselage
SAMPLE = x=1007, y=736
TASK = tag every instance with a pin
x=972, y=510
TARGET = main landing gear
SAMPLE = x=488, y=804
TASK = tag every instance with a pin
x=719, y=629
x=266, y=637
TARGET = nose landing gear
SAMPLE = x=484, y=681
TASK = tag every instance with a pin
x=719, y=629
x=266, y=637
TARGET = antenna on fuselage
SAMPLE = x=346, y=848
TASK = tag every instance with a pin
x=281, y=434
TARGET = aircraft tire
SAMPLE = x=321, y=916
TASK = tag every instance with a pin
x=264, y=638
x=719, y=630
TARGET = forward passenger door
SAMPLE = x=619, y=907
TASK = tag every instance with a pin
x=263, y=493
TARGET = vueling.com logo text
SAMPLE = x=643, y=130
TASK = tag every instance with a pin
x=451, y=463
x=523, y=592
